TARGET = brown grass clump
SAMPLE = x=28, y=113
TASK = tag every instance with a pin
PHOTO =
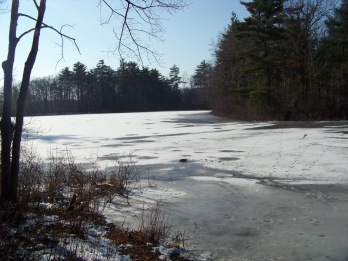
x=60, y=204
x=153, y=229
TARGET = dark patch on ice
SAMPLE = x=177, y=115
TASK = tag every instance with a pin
x=115, y=145
x=185, y=126
x=336, y=131
x=152, y=136
x=174, y=134
x=139, y=141
x=132, y=138
x=147, y=157
x=169, y=121
x=246, y=232
x=135, y=139
x=112, y=155
x=230, y=151
x=50, y=138
x=200, y=118
x=344, y=132
x=116, y=156
x=228, y=158
x=302, y=124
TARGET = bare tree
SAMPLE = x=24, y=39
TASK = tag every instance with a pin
x=306, y=20
x=137, y=20
x=10, y=168
x=147, y=12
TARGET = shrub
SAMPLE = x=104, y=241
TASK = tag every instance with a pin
x=60, y=203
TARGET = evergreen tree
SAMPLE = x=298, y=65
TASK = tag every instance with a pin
x=202, y=75
x=338, y=36
x=174, y=82
x=202, y=84
x=265, y=31
x=174, y=77
x=64, y=94
x=336, y=54
x=79, y=79
x=106, y=86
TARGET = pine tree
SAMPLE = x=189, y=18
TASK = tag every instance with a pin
x=64, y=91
x=105, y=78
x=202, y=84
x=203, y=75
x=174, y=82
x=338, y=34
x=265, y=31
x=336, y=49
x=174, y=77
x=79, y=79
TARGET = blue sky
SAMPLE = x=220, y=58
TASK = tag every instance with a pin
x=187, y=38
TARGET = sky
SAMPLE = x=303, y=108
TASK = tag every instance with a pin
x=187, y=39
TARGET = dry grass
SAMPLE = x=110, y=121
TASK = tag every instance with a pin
x=60, y=201
x=154, y=226
x=153, y=229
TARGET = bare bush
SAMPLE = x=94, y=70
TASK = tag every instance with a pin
x=62, y=201
x=63, y=182
x=154, y=225
x=153, y=229
x=123, y=178
x=31, y=177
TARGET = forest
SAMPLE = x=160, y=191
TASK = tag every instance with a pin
x=102, y=89
x=286, y=61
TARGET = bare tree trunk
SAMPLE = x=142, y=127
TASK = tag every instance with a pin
x=29, y=64
x=6, y=124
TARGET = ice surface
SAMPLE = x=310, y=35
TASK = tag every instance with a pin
x=300, y=153
x=248, y=191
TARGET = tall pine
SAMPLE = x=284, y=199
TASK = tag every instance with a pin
x=265, y=32
x=336, y=50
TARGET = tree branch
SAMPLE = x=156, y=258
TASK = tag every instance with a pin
x=139, y=19
x=124, y=25
x=36, y=5
x=62, y=35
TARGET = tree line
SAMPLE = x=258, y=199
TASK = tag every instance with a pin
x=102, y=89
x=287, y=60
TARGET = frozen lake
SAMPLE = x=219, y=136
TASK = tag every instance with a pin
x=248, y=191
